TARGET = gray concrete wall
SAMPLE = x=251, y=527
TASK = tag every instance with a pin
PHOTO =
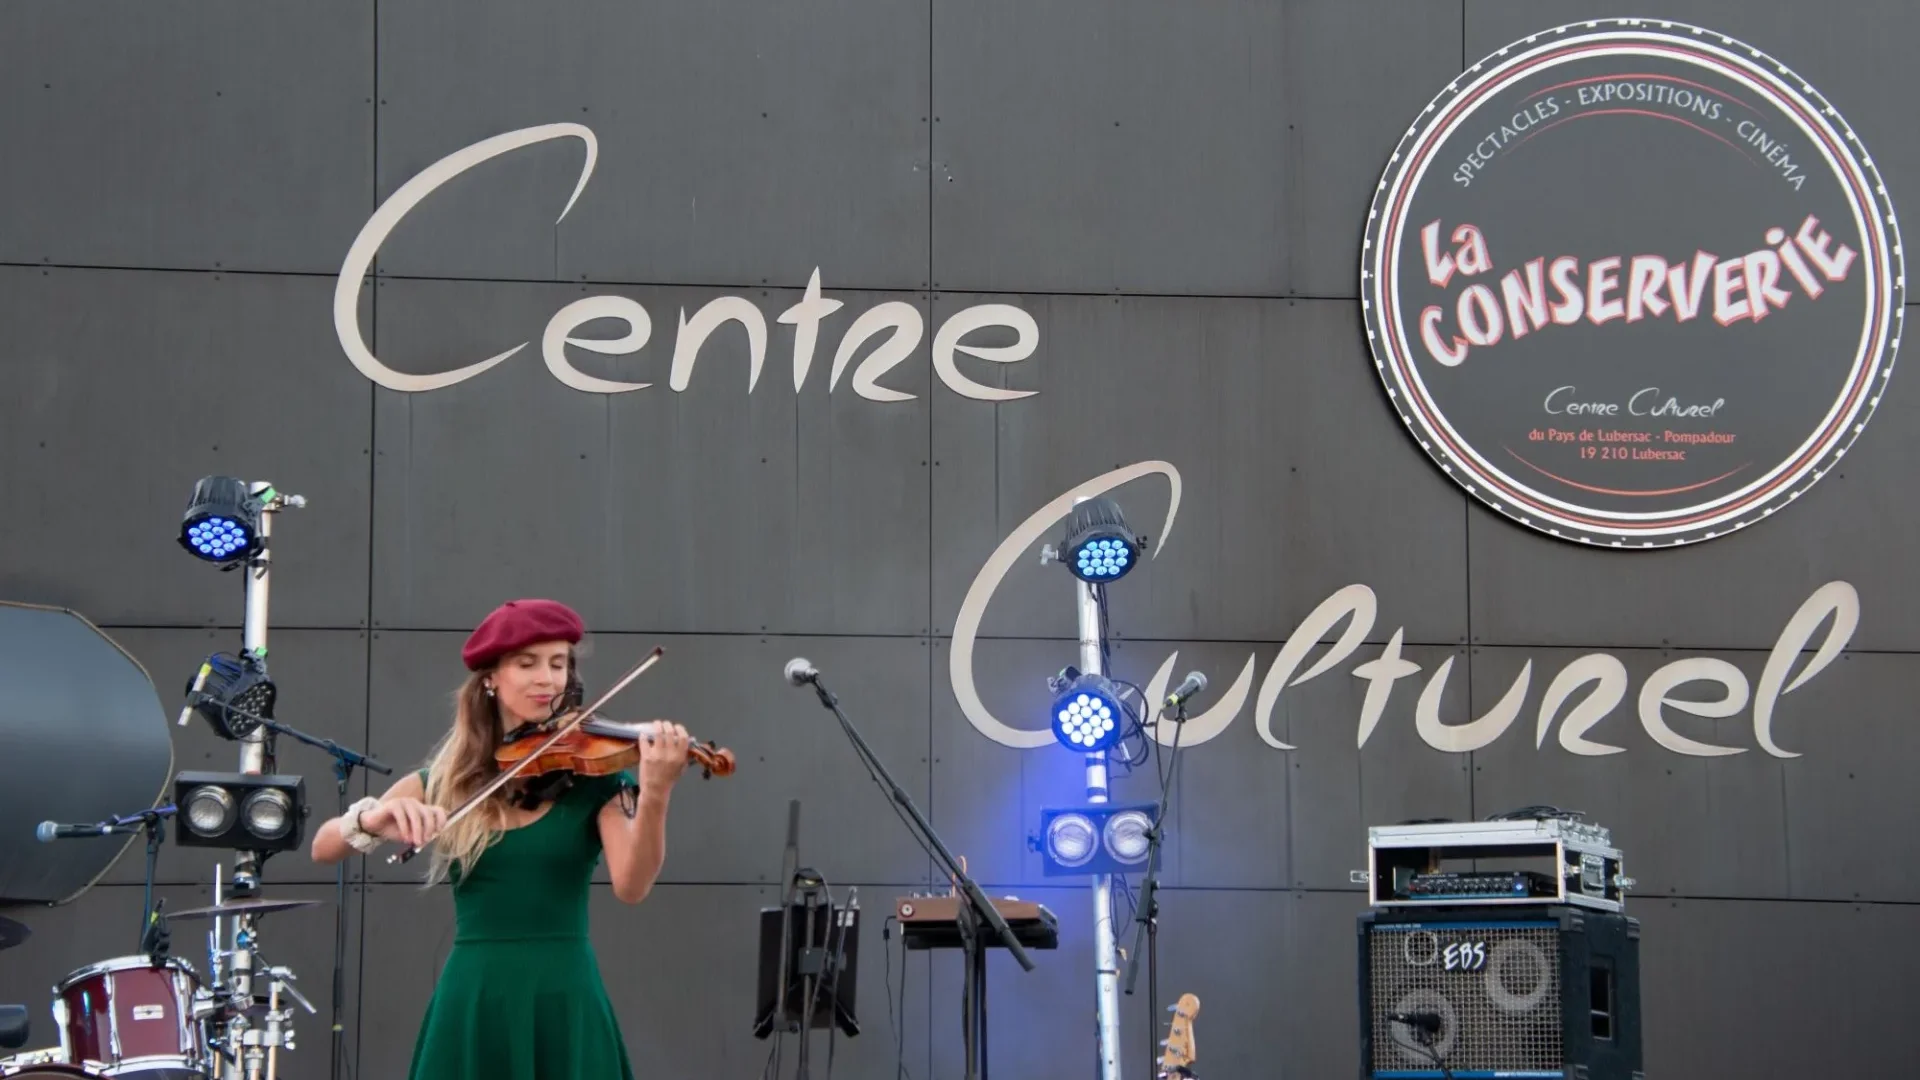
x=1174, y=194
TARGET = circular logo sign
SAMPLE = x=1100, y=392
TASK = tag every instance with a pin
x=1633, y=283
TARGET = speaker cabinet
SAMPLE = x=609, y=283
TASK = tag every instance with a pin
x=1552, y=991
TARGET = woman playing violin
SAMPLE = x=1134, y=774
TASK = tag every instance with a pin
x=521, y=997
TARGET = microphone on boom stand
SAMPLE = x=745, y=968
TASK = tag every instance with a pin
x=1147, y=917
x=977, y=917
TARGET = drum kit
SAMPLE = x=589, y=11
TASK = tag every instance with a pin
x=149, y=1016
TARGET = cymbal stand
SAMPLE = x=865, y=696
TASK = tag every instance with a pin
x=276, y=1033
x=251, y=1048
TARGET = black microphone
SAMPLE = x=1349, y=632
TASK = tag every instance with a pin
x=800, y=671
x=1429, y=1022
x=49, y=831
x=1186, y=691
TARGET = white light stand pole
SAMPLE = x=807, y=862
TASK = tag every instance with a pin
x=1106, y=952
x=256, y=1048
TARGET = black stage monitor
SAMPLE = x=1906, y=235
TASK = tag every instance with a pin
x=83, y=739
x=831, y=955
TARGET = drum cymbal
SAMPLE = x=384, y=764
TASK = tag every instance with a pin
x=241, y=907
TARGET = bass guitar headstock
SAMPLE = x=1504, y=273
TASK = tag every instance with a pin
x=1179, y=1053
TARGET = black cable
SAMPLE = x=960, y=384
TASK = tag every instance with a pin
x=812, y=994
x=1439, y=1060
x=1106, y=635
x=837, y=953
x=886, y=968
x=1125, y=888
x=1133, y=728
x=1537, y=813
x=1126, y=760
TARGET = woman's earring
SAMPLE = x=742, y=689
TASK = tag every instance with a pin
x=489, y=691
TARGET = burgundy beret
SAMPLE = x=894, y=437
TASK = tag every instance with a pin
x=517, y=624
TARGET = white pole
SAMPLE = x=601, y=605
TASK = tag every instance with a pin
x=253, y=762
x=1106, y=953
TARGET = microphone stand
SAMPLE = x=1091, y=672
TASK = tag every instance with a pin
x=809, y=885
x=152, y=940
x=1148, y=917
x=344, y=761
x=790, y=873
x=152, y=828
x=973, y=917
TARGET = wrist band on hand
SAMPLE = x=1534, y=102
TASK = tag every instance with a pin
x=351, y=831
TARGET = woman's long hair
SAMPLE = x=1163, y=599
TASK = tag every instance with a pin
x=461, y=765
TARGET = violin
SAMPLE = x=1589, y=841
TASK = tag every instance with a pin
x=591, y=751
x=596, y=746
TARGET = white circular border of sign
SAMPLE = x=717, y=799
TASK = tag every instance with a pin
x=1468, y=473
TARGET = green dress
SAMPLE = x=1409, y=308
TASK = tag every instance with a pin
x=520, y=997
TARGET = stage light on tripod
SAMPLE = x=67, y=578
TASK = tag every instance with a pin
x=1099, y=547
x=222, y=522
x=1097, y=839
x=1087, y=714
x=239, y=811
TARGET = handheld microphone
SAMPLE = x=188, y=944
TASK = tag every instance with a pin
x=800, y=671
x=47, y=831
x=1186, y=691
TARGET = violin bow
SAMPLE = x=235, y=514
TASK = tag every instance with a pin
x=499, y=781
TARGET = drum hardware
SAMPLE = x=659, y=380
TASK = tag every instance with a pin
x=49, y=1063
x=247, y=1041
x=235, y=907
x=244, y=1040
